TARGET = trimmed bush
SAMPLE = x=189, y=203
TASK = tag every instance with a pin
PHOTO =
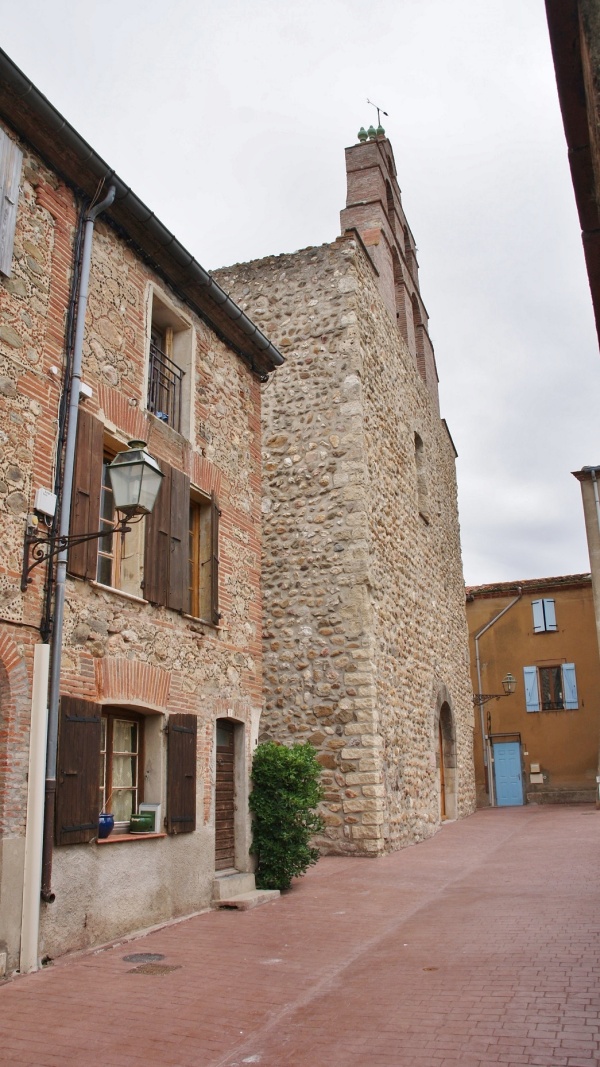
x=283, y=801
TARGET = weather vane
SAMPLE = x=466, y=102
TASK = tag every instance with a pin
x=378, y=109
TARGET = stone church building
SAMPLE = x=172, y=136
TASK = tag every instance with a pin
x=365, y=637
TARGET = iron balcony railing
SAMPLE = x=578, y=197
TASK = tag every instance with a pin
x=164, y=388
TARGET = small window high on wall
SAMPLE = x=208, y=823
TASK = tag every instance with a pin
x=170, y=367
x=420, y=464
x=544, y=616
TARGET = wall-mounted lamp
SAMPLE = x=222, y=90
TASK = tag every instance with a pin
x=135, y=480
x=509, y=684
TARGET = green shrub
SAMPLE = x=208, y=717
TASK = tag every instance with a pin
x=285, y=794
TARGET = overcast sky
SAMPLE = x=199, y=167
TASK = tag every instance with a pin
x=230, y=121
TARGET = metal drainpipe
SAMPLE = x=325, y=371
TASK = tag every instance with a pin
x=487, y=747
x=61, y=565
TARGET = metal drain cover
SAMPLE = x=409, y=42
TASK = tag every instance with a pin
x=154, y=968
x=144, y=957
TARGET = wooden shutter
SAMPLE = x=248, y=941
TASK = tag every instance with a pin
x=11, y=159
x=156, y=556
x=570, y=686
x=550, y=615
x=178, y=590
x=166, y=564
x=85, y=499
x=215, y=614
x=78, y=772
x=532, y=699
x=538, y=616
x=181, y=774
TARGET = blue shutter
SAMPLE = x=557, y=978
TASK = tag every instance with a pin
x=532, y=700
x=10, y=173
x=570, y=686
x=550, y=615
x=538, y=617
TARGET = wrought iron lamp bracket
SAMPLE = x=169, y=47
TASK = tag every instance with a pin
x=42, y=549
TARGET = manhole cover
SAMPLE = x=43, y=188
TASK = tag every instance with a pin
x=144, y=957
x=154, y=968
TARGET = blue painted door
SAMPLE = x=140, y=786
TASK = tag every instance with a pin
x=507, y=772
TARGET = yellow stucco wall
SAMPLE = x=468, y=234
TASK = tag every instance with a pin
x=564, y=743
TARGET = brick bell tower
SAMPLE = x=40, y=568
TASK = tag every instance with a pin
x=374, y=211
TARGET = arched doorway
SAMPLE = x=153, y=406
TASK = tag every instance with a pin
x=446, y=762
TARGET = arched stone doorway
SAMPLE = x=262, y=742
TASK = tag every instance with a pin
x=445, y=738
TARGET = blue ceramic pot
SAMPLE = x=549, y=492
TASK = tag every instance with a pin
x=106, y=824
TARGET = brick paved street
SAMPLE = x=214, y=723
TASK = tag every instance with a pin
x=478, y=947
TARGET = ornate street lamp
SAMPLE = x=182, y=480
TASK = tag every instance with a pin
x=135, y=480
x=509, y=684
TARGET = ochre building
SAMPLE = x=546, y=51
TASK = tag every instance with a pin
x=365, y=637
x=539, y=745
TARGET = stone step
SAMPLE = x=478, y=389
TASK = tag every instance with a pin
x=245, y=901
x=231, y=883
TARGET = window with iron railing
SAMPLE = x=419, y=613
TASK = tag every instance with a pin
x=165, y=381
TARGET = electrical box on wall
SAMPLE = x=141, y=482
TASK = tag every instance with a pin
x=536, y=779
x=45, y=502
x=534, y=768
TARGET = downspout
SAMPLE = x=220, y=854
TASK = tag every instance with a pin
x=487, y=746
x=63, y=531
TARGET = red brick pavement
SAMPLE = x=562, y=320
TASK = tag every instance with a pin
x=476, y=948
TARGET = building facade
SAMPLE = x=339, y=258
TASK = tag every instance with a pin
x=365, y=639
x=539, y=745
x=161, y=674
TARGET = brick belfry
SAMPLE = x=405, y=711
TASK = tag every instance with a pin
x=365, y=636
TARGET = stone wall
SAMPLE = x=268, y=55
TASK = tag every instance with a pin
x=364, y=621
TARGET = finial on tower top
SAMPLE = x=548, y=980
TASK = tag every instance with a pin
x=380, y=132
x=362, y=135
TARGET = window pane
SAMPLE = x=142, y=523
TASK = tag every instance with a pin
x=122, y=805
x=123, y=768
x=124, y=736
x=104, y=570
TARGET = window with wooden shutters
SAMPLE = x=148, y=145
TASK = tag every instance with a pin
x=552, y=688
x=11, y=159
x=181, y=774
x=544, y=615
x=85, y=500
x=166, y=565
x=78, y=772
x=204, y=558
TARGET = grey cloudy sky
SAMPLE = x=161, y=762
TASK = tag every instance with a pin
x=230, y=121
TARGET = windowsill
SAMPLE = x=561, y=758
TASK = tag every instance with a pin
x=120, y=592
x=118, y=839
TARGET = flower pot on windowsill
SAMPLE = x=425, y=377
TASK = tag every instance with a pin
x=106, y=824
x=143, y=823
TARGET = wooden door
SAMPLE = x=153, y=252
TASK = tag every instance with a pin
x=225, y=797
x=442, y=774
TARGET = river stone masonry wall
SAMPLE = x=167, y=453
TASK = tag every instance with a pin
x=364, y=621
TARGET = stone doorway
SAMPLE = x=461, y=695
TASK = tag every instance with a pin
x=446, y=762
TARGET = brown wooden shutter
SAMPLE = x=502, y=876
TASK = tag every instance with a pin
x=11, y=159
x=85, y=499
x=158, y=534
x=78, y=772
x=214, y=549
x=178, y=592
x=181, y=774
x=166, y=557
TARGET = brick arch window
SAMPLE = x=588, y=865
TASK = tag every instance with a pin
x=421, y=469
x=400, y=296
x=419, y=345
x=390, y=207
